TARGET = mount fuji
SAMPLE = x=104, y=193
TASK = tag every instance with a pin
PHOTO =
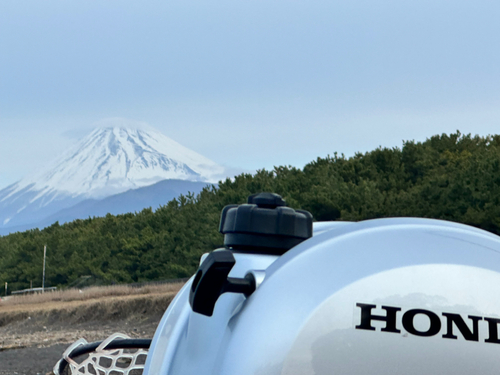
x=107, y=162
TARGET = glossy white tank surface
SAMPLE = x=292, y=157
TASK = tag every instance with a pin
x=385, y=296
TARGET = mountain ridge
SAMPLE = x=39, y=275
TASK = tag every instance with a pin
x=133, y=200
x=108, y=161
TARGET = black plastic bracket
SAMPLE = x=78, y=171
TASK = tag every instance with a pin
x=212, y=280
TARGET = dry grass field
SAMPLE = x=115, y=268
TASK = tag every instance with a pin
x=40, y=322
x=92, y=293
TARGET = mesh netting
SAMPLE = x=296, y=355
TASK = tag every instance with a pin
x=104, y=362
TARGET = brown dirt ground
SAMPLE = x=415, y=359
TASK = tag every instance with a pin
x=33, y=337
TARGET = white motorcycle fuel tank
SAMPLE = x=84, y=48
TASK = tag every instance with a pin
x=385, y=296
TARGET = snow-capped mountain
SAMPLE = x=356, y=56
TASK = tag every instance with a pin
x=108, y=161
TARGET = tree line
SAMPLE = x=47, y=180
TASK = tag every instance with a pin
x=452, y=177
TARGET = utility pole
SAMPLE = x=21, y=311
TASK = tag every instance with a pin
x=43, y=277
x=6, y=288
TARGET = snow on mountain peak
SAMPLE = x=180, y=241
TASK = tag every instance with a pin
x=114, y=159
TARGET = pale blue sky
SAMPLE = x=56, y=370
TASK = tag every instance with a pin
x=249, y=84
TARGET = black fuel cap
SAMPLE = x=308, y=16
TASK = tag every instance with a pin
x=265, y=225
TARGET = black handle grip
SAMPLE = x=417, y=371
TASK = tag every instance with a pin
x=212, y=280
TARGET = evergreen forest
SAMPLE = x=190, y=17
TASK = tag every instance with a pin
x=452, y=177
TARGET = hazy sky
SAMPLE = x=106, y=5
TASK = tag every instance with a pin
x=250, y=84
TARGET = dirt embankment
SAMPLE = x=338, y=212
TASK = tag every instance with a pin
x=34, y=335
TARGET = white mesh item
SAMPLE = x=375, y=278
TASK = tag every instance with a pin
x=105, y=362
